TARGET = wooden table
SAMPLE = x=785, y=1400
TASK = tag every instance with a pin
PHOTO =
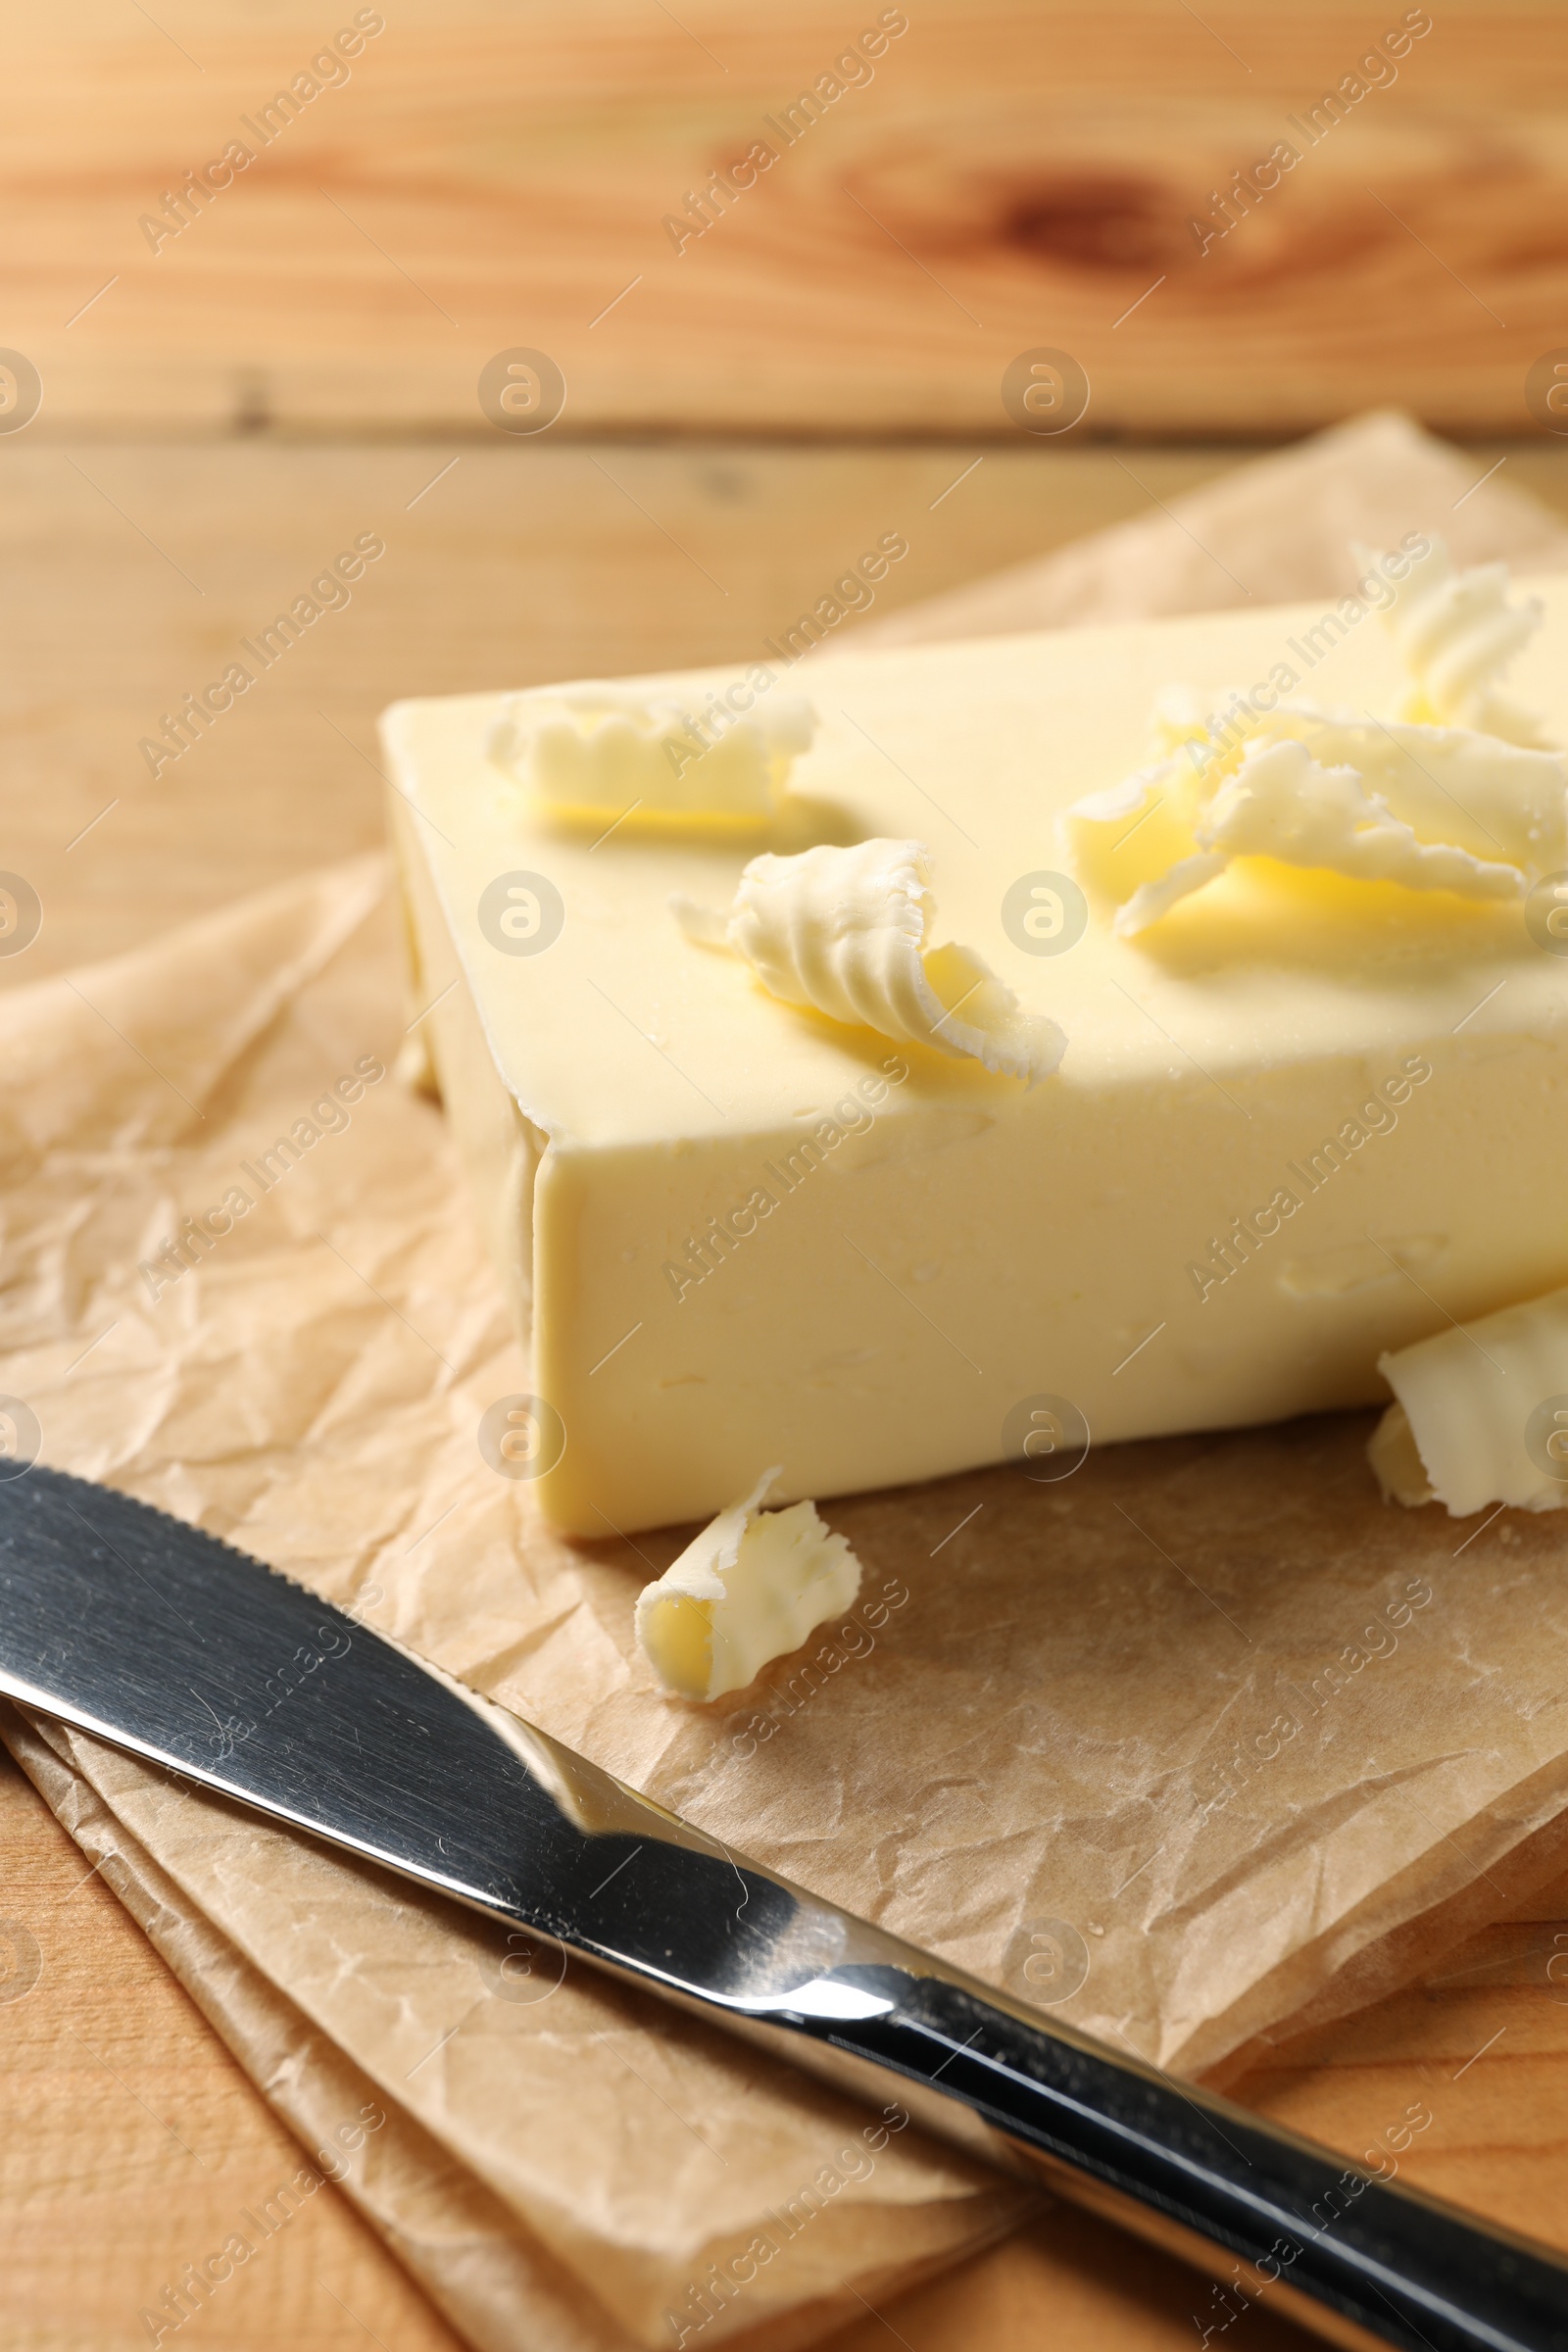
x=1000, y=176
x=127, y=2137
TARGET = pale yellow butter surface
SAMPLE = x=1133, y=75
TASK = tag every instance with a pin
x=909, y=1260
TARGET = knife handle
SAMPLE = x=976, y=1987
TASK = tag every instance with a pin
x=1335, y=2245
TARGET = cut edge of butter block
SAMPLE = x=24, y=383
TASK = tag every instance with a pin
x=748, y=1589
x=1470, y=1401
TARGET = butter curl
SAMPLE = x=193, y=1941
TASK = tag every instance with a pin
x=842, y=932
x=1457, y=632
x=749, y=1588
x=1283, y=803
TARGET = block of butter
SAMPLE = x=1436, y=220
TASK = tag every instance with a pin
x=1301, y=1118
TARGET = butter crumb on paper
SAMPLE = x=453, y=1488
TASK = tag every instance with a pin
x=1479, y=1413
x=604, y=753
x=748, y=1589
x=842, y=932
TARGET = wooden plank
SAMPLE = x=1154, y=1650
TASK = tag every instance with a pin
x=131, y=2142
x=1012, y=175
x=1072, y=2284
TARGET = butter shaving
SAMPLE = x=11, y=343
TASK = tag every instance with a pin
x=1396, y=1459
x=842, y=932
x=1457, y=632
x=1460, y=791
x=599, y=752
x=748, y=1588
x=1476, y=1418
x=1282, y=803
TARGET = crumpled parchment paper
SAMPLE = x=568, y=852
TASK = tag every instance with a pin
x=1200, y=1742
x=311, y=1387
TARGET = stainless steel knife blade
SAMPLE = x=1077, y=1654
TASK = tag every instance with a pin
x=168, y=1643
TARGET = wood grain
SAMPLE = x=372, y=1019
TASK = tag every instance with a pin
x=131, y=2142
x=1015, y=173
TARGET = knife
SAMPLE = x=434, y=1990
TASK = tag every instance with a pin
x=170, y=1643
